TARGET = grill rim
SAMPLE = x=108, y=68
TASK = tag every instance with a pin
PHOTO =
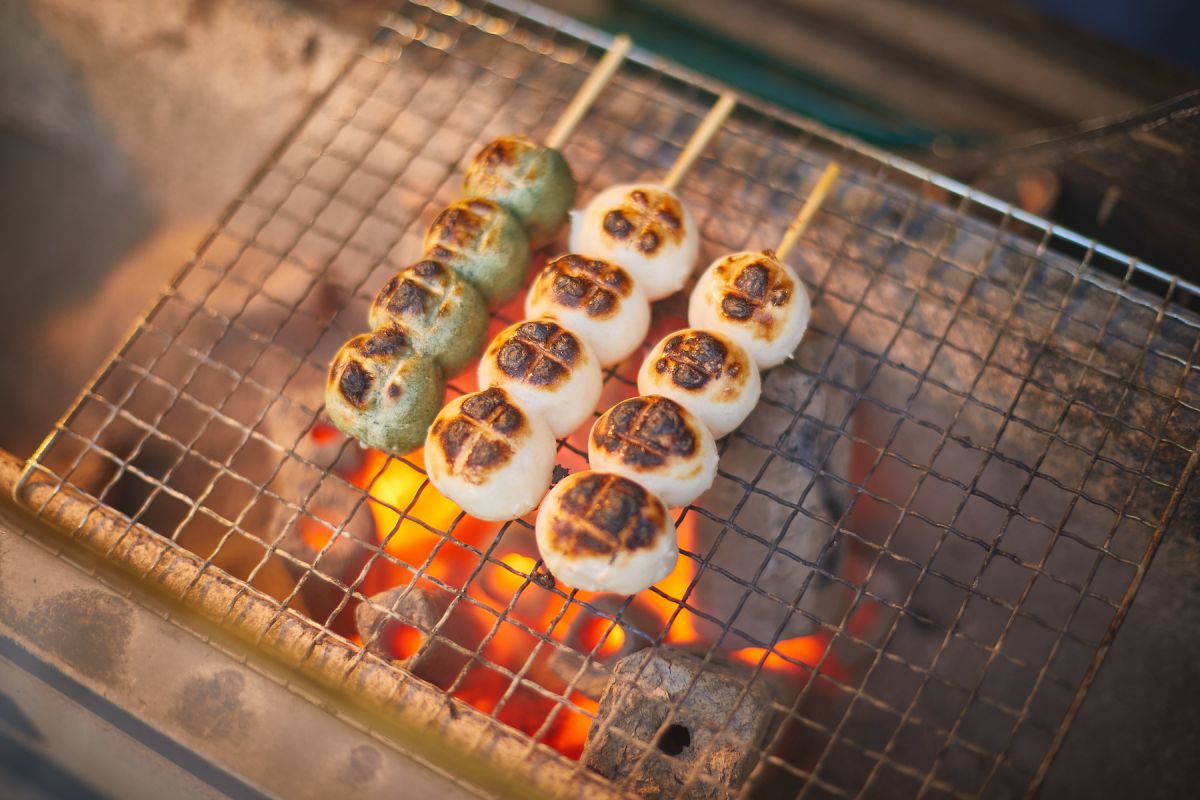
x=371, y=683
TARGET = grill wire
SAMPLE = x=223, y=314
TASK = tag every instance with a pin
x=1033, y=396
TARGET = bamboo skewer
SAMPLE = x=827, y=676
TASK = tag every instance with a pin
x=709, y=126
x=588, y=92
x=796, y=229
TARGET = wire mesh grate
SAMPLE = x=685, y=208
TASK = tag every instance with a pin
x=917, y=550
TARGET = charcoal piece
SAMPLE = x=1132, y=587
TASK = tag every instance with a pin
x=783, y=456
x=385, y=617
x=702, y=752
x=330, y=541
x=322, y=526
x=590, y=674
x=380, y=616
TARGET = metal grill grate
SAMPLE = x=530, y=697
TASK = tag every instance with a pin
x=948, y=496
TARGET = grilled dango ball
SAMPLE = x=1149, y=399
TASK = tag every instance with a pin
x=484, y=244
x=707, y=373
x=489, y=456
x=596, y=299
x=601, y=532
x=658, y=443
x=547, y=369
x=529, y=179
x=382, y=392
x=756, y=300
x=445, y=317
x=644, y=228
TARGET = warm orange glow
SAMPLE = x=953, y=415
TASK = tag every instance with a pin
x=569, y=730
x=410, y=516
x=316, y=534
x=535, y=606
x=413, y=537
x=803, y=649
x=503, y=604
x=506, y=582
x=601, y=636
x=505, y=610
x=684, y=625
x=321, y=433
x=406, y=641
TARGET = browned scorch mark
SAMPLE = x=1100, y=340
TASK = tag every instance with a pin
x=753, y=290
x=351, y=371
x=647, y=218
x=605, y=514
x=384, y=342
x=693, y=359
x=540, y=353
x=355, y=384
x=460, y=225
x=592, y=284
x=476, y=442
x=422, y=293
x=645, y=432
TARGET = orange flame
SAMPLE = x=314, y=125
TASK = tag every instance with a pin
x=783, y=657
x=316, y=534
x=602, y=638
x=508, y=608
x=409, y=512
x=670, y=605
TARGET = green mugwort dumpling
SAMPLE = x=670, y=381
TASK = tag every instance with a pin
x=382, y=391
x=443, y=314
x=531, y=180
x=484, y=244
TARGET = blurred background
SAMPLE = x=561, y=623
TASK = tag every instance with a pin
x=127, y=126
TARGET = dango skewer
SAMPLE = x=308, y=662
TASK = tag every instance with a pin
x=645, y=227
x=754, y=297
x=385, y=389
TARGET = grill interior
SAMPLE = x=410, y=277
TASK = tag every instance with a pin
x=918, y=547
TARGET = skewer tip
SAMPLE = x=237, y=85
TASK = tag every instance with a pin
x=811, y=204
x=603, y=72
x=708, y=128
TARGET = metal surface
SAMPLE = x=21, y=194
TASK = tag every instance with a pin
x=134, y=702
x=1008, y=451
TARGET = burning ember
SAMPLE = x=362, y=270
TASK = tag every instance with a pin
x=490, y=642
x=467, y=605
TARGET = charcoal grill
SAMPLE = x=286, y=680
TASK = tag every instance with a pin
x=1008, y=420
